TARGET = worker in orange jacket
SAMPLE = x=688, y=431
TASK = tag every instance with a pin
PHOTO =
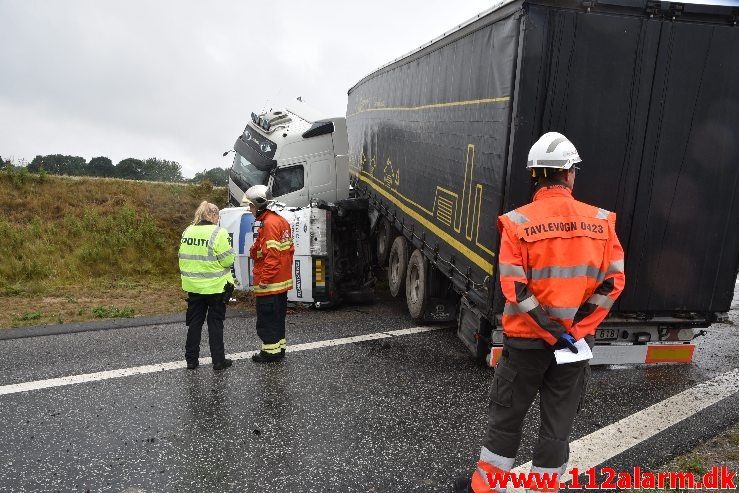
x=561, y=268
x=272, y=253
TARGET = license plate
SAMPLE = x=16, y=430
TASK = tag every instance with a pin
x=606, y=334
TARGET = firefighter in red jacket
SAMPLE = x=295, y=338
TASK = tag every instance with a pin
x=561, y=269
x=272, y=253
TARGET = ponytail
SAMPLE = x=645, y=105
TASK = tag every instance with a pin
x=204, y=209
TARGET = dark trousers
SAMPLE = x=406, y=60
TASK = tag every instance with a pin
x=271, y=312
x=198, y=307
x=519, y=375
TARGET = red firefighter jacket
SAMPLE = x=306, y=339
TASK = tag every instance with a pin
x=272, y=252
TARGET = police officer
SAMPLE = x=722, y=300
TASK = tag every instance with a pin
x=561, y=269
x=272, y=253
x=206, y=258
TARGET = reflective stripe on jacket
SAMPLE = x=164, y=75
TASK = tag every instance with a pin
x=206, y=258
x=272, y=252
x=561, y=266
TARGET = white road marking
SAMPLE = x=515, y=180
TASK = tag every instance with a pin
x=142, y=370
x=608, y=442
x=412, y=330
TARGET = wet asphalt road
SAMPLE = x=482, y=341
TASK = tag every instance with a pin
x=392, y=415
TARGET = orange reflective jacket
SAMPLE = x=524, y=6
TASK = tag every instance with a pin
x=561, y=266
x=272, y=252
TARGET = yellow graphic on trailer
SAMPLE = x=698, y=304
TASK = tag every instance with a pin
x=445, y=209
x=392, y=175
x=453, y=210
x=448, y=208
x=365, y=105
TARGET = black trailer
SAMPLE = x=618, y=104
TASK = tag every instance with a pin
x=649, y=94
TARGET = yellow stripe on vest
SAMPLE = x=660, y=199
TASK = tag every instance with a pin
x=282, y=246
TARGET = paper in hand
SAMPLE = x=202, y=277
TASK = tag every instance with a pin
x=564, y=356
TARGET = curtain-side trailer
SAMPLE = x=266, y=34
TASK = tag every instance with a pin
x=649, y=94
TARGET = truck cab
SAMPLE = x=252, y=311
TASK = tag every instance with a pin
x=298, y=153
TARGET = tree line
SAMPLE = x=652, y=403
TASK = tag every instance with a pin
x=152, y=169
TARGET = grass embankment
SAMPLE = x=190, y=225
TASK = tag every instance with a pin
x=722, y=450
x=78, y=249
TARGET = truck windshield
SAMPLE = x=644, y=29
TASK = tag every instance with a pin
x=248, y=172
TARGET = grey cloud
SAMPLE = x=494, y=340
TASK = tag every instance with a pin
x=179, y=78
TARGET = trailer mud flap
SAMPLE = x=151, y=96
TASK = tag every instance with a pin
x=474, y=330
x=441, y=310
x=443, y=301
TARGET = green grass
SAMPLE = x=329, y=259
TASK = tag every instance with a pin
x=29, y=316
x=77, y=249
x=112, y=312
x=734, y=437
x=691, y=463
x=62, y=231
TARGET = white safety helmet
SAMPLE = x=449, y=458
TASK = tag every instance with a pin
x=259, y=195
x=552, y=150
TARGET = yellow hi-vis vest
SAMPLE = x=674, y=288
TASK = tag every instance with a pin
x=206, y=258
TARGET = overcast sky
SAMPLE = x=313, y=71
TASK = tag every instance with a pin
x=177, y=79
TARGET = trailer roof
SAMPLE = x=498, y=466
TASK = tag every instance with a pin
x=708, y=10
x=426, y=47
x=500, y=4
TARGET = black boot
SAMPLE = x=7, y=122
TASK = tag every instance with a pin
x=462, y=484
x=262, y=357
x=222, y=366
x=191, y=365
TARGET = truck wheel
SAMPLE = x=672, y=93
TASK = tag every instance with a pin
x=416, y=295
x=385, y=235
x=397, y=266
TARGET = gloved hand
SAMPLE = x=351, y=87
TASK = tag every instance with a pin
x=566, y=341
x=228, y=290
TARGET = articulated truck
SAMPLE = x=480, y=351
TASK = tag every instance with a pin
x=438, y=139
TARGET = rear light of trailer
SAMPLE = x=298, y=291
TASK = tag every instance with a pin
x=677, y=353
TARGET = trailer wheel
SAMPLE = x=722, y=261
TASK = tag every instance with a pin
x=416, y=295
x=385, y=235
x=398, y=266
